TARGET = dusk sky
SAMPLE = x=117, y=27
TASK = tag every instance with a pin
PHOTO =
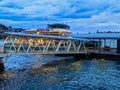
x=80, y=15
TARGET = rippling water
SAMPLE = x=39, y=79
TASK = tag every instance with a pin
x=35, y=72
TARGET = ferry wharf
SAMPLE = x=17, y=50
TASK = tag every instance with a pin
x=23, y=43
x=80, y=46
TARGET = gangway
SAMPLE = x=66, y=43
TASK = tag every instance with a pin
x=33, y=43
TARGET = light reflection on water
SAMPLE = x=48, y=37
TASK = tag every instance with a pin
x=25, y=72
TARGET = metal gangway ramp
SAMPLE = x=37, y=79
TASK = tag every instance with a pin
x=42, y=44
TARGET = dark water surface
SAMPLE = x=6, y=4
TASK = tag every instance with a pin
x=29, y=72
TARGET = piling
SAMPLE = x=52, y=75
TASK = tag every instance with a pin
x=118, y=46
x=3, y=59
x=2, y=67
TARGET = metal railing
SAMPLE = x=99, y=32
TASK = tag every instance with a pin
x=18, y=44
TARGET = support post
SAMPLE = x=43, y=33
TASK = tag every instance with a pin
x=2, y=61
x=2, y=67
x=118, y=46
x=99, y=45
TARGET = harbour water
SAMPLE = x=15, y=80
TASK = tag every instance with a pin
x=36, y=72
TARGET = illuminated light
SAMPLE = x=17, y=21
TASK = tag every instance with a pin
x=38, y=32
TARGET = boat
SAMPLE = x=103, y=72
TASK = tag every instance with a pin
x=56, y=29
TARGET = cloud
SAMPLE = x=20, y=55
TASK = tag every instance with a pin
x=79, y=14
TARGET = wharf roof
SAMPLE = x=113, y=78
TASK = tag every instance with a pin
x=98, y=36
x=42, y=36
